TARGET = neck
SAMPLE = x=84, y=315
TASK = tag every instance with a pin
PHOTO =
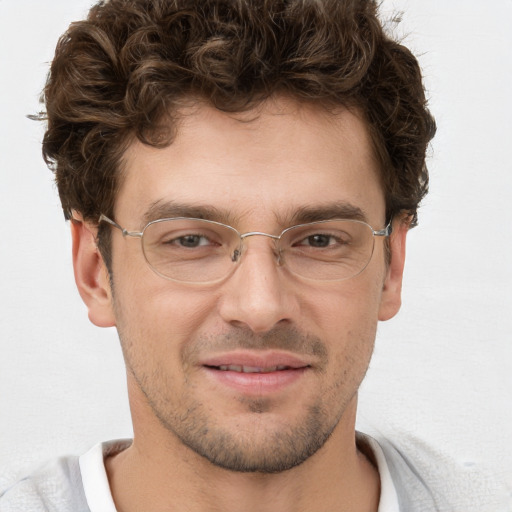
x=159, y=473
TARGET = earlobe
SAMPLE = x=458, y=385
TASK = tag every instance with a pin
x=91, y=275
x=391, y=299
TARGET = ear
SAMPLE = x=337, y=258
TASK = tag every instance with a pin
x=391, y=298
x=91, y=275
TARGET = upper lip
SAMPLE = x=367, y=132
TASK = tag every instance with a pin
x=267, y=359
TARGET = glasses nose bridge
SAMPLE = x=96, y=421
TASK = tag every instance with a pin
x=258, y=233
x=276, y=239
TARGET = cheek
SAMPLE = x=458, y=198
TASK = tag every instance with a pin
x=344, y=307
x=155, y=329
x=345, y=316
x=145, y=299
x=160, y=315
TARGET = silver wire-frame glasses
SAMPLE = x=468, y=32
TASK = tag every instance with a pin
x=203, y=251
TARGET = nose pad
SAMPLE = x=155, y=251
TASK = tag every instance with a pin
x=279, y=254
x=237, y=253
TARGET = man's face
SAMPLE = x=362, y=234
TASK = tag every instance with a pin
x=186, y=344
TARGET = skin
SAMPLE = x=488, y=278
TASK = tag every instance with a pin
x=296, y=442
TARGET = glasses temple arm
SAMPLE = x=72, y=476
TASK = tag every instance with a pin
x=386, y=231
x=124, y=231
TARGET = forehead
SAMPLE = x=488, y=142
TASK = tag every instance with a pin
x=265, y=165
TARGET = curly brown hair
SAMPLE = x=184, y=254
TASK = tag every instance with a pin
x=126, y=70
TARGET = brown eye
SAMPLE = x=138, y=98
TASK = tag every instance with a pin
x=188, y=241
x=192, y=241
x=318, y=240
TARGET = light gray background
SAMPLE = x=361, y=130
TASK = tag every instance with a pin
x=440, y=381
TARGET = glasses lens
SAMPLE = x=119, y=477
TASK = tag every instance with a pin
x=190, y=250
x=329, y=250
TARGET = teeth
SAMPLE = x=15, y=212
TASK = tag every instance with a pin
x=231, y=368
x=254, y=369
x=251, y=369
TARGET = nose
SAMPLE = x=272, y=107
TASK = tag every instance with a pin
x=258, y=295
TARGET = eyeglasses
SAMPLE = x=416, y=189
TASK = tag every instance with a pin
x=203, y=251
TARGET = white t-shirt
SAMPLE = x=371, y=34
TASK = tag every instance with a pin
x=99, y=497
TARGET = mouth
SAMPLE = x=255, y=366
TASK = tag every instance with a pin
x=256, y=374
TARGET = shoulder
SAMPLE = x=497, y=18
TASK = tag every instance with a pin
x=55, y=487
x=412, y=489
x=427, y=479
x=402, y=485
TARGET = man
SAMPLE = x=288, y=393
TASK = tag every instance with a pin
x=240, y=177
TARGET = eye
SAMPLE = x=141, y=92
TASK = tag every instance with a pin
x=322, y=240
x=318, y=240
x=190, y=241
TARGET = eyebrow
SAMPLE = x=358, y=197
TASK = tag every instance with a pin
x=165, y=209
x=330, y=211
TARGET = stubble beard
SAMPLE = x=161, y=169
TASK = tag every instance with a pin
x=258, y=448
x=253, y=452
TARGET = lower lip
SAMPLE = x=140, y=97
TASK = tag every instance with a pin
x=257, y=383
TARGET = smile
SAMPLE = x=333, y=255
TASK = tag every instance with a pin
x=256, y=374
